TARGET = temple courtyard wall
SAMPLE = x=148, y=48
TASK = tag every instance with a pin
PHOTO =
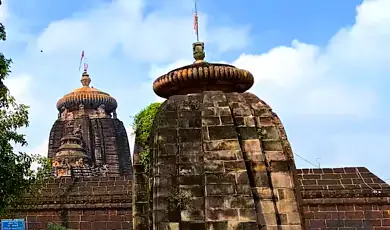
x=333, y=198
x=80, y=203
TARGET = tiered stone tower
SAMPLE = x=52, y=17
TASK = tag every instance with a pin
x=220, y=157
x=88, y=139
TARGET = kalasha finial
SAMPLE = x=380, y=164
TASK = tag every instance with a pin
x=198, y=51
x=85, y=79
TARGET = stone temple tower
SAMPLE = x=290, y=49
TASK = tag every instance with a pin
x=220, y=157
x=88, y=139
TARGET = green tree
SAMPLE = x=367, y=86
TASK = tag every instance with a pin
x=143, y=122
x=16, y=176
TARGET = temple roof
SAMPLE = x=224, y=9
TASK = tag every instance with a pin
x=341, y=182
x=203, y=76
x=89, y=97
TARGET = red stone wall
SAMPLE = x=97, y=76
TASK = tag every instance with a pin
x=97, y=218
x=344, y=198
x=84, y=203
x=348, y=216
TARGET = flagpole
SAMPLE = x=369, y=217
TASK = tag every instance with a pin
x=81, y=59
x=196, y=21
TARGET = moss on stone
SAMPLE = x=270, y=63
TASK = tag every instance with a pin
x=143, y=124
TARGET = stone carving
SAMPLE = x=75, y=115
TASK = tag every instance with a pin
x=198, y=51
x=63, y=112
x=69, y=116
x=81, y=109
x=80, y=162
x=104, y=170
x=114, y=114
x=102, y=111
x=77, y=131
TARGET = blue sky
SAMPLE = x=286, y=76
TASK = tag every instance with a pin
x=322, y=65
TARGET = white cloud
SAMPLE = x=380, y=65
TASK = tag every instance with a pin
x=301, y=79
x=4, y=13
x=40, y=149
x=330, y=80
x=110, y=32
x=157, y=36
x=19, y=87
x=336, y=80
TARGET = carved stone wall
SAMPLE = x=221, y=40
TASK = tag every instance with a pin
x=104, y=139
x=219, y=161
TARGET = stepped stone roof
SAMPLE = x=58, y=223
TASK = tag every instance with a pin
x=344, y=198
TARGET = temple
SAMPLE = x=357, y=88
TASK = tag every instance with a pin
x=219, y=160
x=88, y=139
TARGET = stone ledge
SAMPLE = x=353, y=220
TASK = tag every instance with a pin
x=355, y=193
x=355, y=201
x=121, y=205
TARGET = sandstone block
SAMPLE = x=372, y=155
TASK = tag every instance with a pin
x=221, y=145
x=251, y=145
x=221, y=189
x=222, y=132
x=281, y=180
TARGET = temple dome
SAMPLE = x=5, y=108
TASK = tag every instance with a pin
x=89, y=97
x=203, y=76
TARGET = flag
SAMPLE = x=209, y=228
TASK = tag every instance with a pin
x=196, y=25
x=196, y=22
x=85, y=67
x=81, y=59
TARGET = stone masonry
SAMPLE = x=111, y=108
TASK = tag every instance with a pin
x=220, y=161
x=80, y=203
x=344, y=198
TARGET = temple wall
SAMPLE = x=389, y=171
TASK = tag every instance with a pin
x=341, y=199
x=105, y=140
x=85, y=203
x=209, y=157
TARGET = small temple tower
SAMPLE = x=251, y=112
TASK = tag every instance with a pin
x=88, y=139
x=220, y=158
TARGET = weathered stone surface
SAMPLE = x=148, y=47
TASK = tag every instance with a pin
x=105, y=141
x=216, y=151
x=80, y=203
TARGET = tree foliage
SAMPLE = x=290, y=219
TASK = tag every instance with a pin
x=16, y=176
x=142, y=125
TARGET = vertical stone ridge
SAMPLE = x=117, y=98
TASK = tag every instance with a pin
x=268, y=171
x=110, y=144
x=123, y=149
x=238, y=123
x=98, y=150
x=85, y=125
x=140, y=203
x=229, y=201
x=257, y=168
x=190, y=178
x=291, y=166
x=100, y=135
x=55, y=137
x=279, y=158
